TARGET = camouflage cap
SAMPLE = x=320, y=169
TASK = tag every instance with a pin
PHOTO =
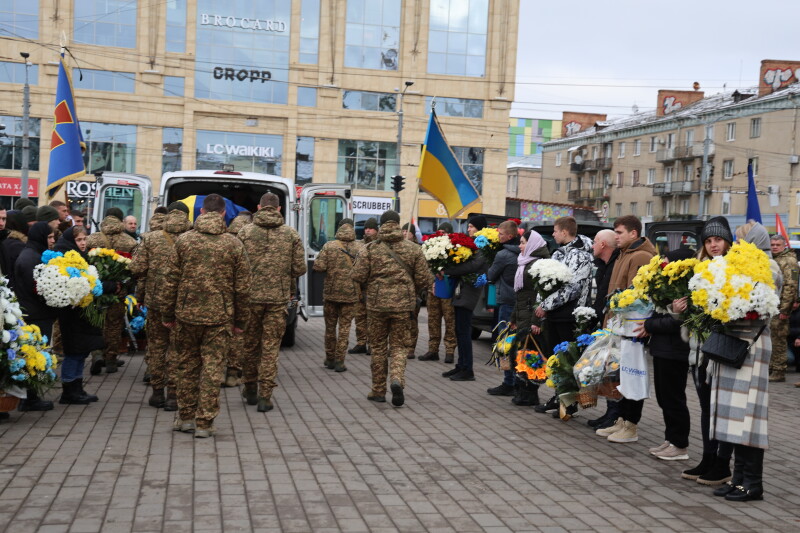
x=390, y=216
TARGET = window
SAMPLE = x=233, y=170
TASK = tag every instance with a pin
x=684, y=207
x=670, y=141
x=648, y=209
x=620, y=177
x=511, y=184
x=373, y=34
x=653, y=144
x=727, y=169
x=668, y=174
x=106, y=22
x=754, y=163
x=176, y=26
x=171, y=149
x=606, y=180
x=635, y=178
x=731, y=131
x=109, y=147
x=709, y=132
x=725, y=208
x=471, y=160
x=457, y=37
x=20, y=18
x=689, y=137
x=173, y=86
x=12, y=72
x=304, y=161
x=569, y=184
x=619, y=210
x=687, y=172
x=307, y=96
x=456, y=107
x=247, y=152
x=634, y=208
x=668, y=207
x=651, y=176
x=102, y=80
x=637, y=147
x=309, y=31
x=558, y=185
x=755, y=128
x=592, y=181
x=608, y=149
x=11, y=143
x=558, y=159
x=366, y=101
x=365, y=164
x=621, y=150
x=595, y=152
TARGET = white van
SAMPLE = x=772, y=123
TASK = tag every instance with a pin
x=313, y=210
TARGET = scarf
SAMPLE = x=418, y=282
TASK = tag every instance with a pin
x=525, y=258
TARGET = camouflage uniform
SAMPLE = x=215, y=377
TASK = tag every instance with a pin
x=157, y=222
x=233, y=362
x=112, y=235
x=361, y=309
x=779, y=328
x=148, y=266
x=204, y=288
x=340, y=293
x=439, y=308
x=276, y=257
x=391, y=300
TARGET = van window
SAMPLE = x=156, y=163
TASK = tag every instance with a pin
x=128, y=199
x=325, y=213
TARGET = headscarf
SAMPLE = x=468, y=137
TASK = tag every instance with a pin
x=37, y=236
x=67, y=243
x=759, y=236
x=535, y=241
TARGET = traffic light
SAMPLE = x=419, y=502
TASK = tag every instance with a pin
x=398, y=183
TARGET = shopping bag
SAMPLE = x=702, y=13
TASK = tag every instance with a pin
x=633, y=370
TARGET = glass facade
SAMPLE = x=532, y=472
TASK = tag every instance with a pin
x=366, y=164
x=307, y=96
x=373, y=34
x=456, y=107
x=176, y=26
x=102, y=80
x=174, y=86
x=171, y=149
x=309, y=31
x=243, y=51
x=457, y=37
x=12, y=72
x=367, y=101
x=11, y=143
x=304, y=161
x=106, y=22
x=19, y=18
x=110, y=147
x=247, y=152
x=471, y=160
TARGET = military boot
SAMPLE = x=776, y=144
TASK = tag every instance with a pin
x=157, y=399
x=250, y=393
x=339, y=367
x=264, y=404
x=111, y=366
x=171, y=403
x=329, y=362
x=231, y=378
x=97, y=363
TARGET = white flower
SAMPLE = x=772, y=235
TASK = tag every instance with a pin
x=550, y=273
x=584, y=313
x=6, y=336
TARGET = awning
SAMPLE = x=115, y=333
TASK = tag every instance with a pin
x=576, y=148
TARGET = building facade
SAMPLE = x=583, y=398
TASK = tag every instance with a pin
x=305, y=89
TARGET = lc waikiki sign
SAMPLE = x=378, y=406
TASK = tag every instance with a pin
x=242, y=22
x=241, y=150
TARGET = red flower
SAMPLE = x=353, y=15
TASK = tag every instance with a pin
x=752, y=315
x=663, y=264
x=124, y=254
x=516, y=221
x=438, y=233
x=463, y=240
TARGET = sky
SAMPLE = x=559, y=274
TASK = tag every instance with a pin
x=607, y=56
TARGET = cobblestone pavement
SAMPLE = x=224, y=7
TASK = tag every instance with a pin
x=326, y=459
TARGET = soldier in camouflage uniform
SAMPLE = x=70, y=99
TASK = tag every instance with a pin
x=233, y=361
x=370, y=234
x=340, y=293
x=148, y=266
x=112, y=235
x=779, y=325
x=205, y=288
x=276, y=258
x=395, y=271
x=438, y=309
x=157, y=220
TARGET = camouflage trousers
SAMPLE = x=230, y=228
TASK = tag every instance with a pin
x=439, y=308
x=236, y=353
x=262, y=346
x=160, y=356
x=413, y=330
x=336, y=344
x=112, y=330
x=361, y=323
x=779, y=330
x=388, y=331
x=200, y=353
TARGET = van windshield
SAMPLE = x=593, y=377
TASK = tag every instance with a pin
x=244, y=194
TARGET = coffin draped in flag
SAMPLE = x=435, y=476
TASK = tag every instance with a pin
x=440, y=174
x=195, y=202
x=66, y=143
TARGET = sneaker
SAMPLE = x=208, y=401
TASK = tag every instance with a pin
x=610, y=430
x=501, y=390
x=398, y=399
x=464, y=375
x=204, y=433
x=549, y=407
x=358, y=348
x=451, y=372
x=673, y=453
x=628, y=433
x=654, y=451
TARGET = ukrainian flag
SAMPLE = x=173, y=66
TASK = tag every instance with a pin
x=66, y=142
x=194, y=203
x=440, y=174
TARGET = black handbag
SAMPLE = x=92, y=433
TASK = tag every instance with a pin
x=727, y=349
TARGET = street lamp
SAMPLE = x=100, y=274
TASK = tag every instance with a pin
x=26, y=105
x=400, y=139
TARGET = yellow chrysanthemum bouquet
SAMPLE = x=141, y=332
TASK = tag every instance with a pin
x=111, y=266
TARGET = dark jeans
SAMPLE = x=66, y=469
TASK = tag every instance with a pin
x=72, y=367
x=670, y=380
x=723, y=450
x=631, y=410
x=464, y=337
x=557, y=332
x=504, y=313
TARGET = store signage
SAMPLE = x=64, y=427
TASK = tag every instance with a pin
x=242, y=149
x=242, y=22
x=81, y=189
x=13, y=187
x=371, y=205
x=227, y=73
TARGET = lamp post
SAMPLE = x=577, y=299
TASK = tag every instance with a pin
x=26, y=152
x=400, y=139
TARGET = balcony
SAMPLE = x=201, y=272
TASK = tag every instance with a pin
x=587, y=194
x=601, y=193
x=604, y=163
x=678, y=188
x=577, y=167
x=686, y=151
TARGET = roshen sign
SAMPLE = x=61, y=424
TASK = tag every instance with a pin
x=243, y=22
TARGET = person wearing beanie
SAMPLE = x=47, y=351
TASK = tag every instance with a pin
x=29, y=214
x=115, y=212
x=344, y=221
x=394, y=272
x=445, y=227
x=476, y=223
x=180, y=206
x=370, y=230
x=340, y=293
x=22, y=203
x=438, y=309
x=410, y=232
x=370, y=234
x=716, y=227
x=48, y=214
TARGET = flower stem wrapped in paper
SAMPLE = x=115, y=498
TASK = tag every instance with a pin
x=632, y=307
x=559, y=370
x=599, y=365
x=112, y=266
x=548, y=276
x=488, y=242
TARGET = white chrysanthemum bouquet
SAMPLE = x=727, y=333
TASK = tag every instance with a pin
x=548, y=276
x=65, y=280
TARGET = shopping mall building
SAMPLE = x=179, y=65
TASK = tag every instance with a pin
x=306, y=89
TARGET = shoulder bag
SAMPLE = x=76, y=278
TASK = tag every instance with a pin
x=727, y=349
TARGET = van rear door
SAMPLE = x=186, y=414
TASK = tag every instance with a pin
x=130, y=192
x=322, y=206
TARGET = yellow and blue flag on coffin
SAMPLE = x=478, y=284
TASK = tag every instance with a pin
x=440, y=174
x=195, y=202
x=66, y=142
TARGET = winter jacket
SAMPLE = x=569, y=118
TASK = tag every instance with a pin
x=238, y=223
x=665, y=338
x=523, y=315
x=577, y=256
x=787, y=262
x=12, y=247
x=392, y=287
x=336, y=260
x=157, y=221
x=602, y=278
x=24, y=287
x=466, y=295
x=502, y=271
x=112, y=235
x=635, y=255
x=276, y=255
x=207, y=278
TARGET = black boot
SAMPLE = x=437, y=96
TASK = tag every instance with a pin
x=90, y=397
x=737, y=478
x=719, y=473
x=705, y=465
x=752, y=486
x=549, y=407
x=34, y=403
x=518, y=387
x=71, y=394
x=612, y=410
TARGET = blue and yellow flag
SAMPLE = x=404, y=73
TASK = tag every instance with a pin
x=194, y=203
x=66, y=143
x=440, y=174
